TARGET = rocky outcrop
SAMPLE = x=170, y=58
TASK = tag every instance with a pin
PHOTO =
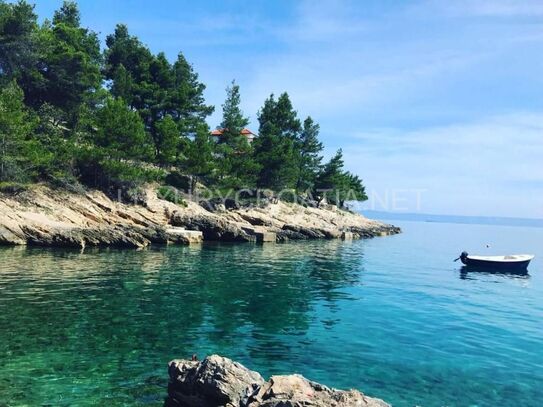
x=216, y=381
x=212, y=226
x=53, y=217
x=221, y=382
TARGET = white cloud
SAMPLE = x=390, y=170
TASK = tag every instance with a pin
x=491, y=8
x=489, y=167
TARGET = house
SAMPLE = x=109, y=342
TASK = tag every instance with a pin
x=216, y=134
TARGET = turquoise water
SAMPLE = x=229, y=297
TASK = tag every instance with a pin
x=394, y=317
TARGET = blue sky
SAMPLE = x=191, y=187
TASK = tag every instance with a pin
x=438, y=105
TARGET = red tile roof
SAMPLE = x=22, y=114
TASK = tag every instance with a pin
x=244, y=132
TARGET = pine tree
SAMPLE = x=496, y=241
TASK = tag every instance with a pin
x=121, y=133
x=309, y=160
x=187, y=96
x=275, y=151
x=167, y=140
x=337, y=185
x=200, y=159
x=157, y=90
x=69, y=64
x=233, y=120
x=236, y=164
x=17, y=153
x=18, y=53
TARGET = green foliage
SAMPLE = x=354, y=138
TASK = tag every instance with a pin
x=12, y=188
x=233, y=120
x=17, y=152
x=163, y=94
x=167, y=140
x=309, y=159
x=70, y=113
x=337, y=185
x=236, y=163
x=121, y=133
x=171, y=194
x=68, y=68
x=199, y=160
x=275, y=148
x=187, y=97
x=18, y=24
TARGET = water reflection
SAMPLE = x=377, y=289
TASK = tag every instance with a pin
x=471, y=273
x=105, y=314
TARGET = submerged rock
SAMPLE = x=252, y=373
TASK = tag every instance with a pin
x=221, y=382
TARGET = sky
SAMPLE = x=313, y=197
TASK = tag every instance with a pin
x=437, y=105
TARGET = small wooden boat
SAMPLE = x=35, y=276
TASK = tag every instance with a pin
x=517, y=262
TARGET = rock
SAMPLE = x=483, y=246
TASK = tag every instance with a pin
x=219, y=204
x=347, y=235
x=10, y=237
x=297, y=391
x=212, y=227
x=261, y=235
x=216, y=381
x=380, y=229
x=40, y=215
x=304, y=231
x=221, y=382
x=180, y=235
x=120, y=236
x=312, y=233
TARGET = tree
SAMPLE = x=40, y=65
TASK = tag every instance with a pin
x=233, y=120
x=337, y=185
x=67, y=14
x=309, y=160
x=186, y=99
x=237, y=166
x=156, y=89
x=167, y=140
x=275, y=147
x=200, y=160
x=17, y=152
x=121, y=133
x=68, y=66
x=18, y=24
x=57, y=143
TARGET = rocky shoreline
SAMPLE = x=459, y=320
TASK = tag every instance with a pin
x=45, y=216
x=220, y=382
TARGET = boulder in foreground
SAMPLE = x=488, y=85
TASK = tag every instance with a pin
x=220, y=382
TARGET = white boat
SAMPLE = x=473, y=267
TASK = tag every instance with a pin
x=515, y=262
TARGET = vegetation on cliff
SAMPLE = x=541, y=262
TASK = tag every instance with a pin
x=71, y=114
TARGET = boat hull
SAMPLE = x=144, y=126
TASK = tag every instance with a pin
x=488, y=265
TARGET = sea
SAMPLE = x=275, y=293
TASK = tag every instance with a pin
x=394, y=317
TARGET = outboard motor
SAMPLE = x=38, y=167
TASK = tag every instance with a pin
x=463, y=257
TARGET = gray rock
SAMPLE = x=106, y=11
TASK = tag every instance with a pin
x=11, y=237
x=119, y=236
x=212, y=227
x=221, y=382
x=216, y=381
x=297, y=391
x=310, y=233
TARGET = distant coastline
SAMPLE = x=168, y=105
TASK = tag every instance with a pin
x=472, y=220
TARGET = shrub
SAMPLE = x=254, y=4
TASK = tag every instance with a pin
x=171, y=194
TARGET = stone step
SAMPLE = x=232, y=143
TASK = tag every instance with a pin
x=181, y=235
x=262, y=235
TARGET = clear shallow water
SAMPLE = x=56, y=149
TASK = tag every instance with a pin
x=394, y=317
